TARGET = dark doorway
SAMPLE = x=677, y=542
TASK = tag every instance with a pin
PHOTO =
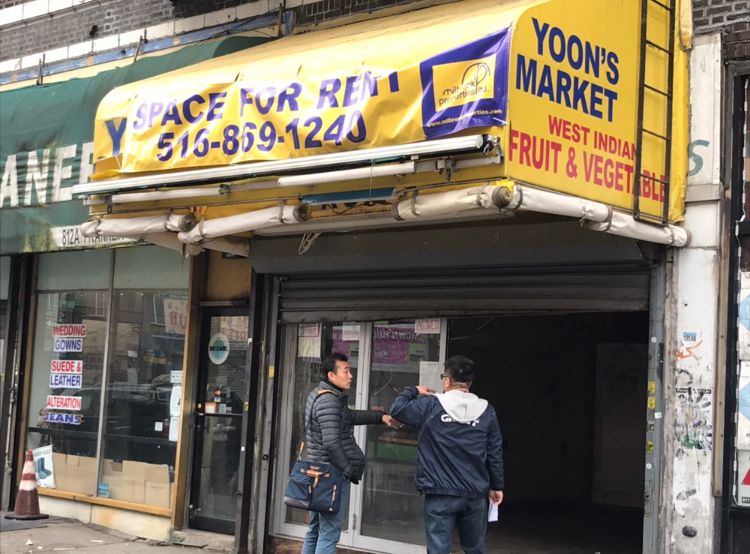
x=570, y=392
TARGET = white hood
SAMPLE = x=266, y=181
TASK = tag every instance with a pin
x=463, y=407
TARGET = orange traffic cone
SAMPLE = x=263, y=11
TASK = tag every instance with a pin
x=27, y=500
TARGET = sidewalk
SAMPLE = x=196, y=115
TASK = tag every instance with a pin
x=66, y=535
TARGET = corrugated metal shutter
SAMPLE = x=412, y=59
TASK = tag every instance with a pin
x=452, y=292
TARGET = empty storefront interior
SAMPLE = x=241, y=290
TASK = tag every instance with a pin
x=562, y=354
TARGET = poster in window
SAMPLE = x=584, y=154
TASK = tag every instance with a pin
x=175, y=315
x=45, y=471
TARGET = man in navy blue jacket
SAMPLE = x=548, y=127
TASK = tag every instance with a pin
x=459, y=457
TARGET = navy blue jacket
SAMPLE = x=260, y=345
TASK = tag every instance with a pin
x=459, y=454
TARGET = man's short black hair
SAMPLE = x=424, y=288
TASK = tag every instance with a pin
x=460, y=369
x=329, y=363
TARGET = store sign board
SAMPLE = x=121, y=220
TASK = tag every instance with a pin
x=62, y=381
x=68, y=419
x=55, y=402
x=66, y=366
x=69, y=330
x=70, y=237
x=573, y=98
x=67, y=344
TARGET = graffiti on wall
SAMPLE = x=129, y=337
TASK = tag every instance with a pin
x=694, y=418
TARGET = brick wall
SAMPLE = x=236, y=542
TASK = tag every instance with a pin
x=713, y=15
x=76, y=25
x=110, y=17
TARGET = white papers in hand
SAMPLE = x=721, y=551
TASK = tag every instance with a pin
x=492, y=512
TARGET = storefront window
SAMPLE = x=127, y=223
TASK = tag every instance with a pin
x=142, y=398
x=105, y=381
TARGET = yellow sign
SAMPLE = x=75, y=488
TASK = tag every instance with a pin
x=557, y=80
x=573, y=101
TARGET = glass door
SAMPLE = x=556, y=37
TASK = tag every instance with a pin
x=385, y=510
x=218, y=422
x=402, y=353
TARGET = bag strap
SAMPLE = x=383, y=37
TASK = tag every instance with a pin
x=321, y=392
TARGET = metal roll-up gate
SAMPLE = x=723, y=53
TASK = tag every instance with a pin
x=456, y=292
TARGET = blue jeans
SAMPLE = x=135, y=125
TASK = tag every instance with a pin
x=443, y=512
x=325, y=529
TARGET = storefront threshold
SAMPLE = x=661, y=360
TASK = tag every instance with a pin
x=283, y=545
x=136, y=523
x=110, y=502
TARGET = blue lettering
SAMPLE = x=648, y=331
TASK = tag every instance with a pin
x=579, y=95
x=246, y=99
x=557, y=52
x=187, y=114
x=541, y=32
x=214, y=105
x=613, y=73
x=115, y=133
x=359, y=87
x=264, y=100
x=140, y=115
x=545, y=84
x=172, y=113
x=156, y=109
x=563, y=87
x=611, y=96
x=526, y=75
x=393, y=82
x=328, y=90
x=575, y=52
x=289, y=96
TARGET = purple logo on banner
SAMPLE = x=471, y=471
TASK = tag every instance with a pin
x=466, y=87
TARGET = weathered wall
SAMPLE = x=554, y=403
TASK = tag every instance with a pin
x=692, y=324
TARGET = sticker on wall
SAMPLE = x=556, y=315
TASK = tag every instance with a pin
x=218, y=348
x=427, y=326
x=694, y=418
x=174, y=400
x=174, y=428
x=45, y=471
x=743, y=477
x=66, y=366
x=349, y=332
x=308, y=330
x=308, y=343
x=56, y=402
x=63, y=381
x=743, y=338
x=67, y=345
x=743, y=417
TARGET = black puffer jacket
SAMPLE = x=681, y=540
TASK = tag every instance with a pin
x=330, y=432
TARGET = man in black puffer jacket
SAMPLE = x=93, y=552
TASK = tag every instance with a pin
x=329, y=438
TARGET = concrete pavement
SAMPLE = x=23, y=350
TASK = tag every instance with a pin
x=65, y=535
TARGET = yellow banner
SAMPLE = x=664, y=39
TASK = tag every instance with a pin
x=556, y=79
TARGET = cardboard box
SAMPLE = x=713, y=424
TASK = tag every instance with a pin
x=75, y=473
x=158, y=494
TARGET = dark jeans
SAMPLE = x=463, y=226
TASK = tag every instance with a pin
x=442, y=512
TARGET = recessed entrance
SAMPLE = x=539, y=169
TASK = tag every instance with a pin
x=570, y=391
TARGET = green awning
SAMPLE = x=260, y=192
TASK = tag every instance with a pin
x=45, y=133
